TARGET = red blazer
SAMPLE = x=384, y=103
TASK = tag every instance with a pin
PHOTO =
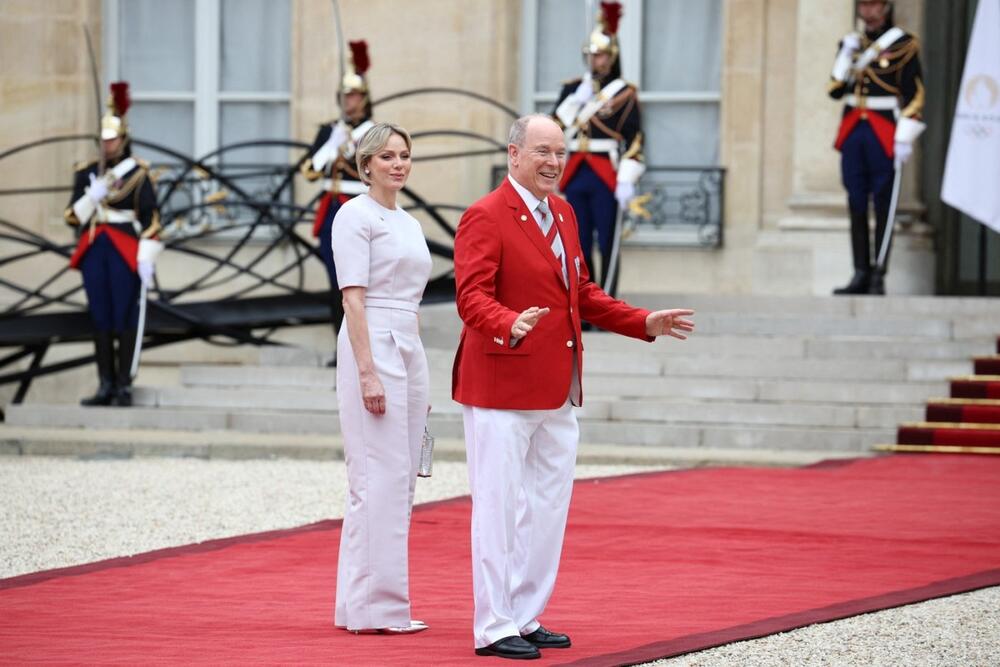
x=503, y=266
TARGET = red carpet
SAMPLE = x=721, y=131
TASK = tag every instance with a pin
x=976, y=386
x=950, y=434
x=987, y=365
x=969, y=410
x=654, y=565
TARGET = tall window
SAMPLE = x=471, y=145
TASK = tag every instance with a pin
x=671, y=49
x=203, y=73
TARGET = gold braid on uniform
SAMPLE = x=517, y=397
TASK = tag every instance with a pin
x=154, y=226
x=916, y=106
x=635, y=150
x=307, y=170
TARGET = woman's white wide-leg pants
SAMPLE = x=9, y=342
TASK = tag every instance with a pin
x=382, y=454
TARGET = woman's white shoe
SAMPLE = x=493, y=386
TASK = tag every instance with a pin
x=414, y=626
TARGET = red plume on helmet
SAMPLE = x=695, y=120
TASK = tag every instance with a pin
x=120, y=98
x=612, y=13
x=359, y=56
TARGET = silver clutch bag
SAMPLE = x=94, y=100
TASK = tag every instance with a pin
x=426, y=454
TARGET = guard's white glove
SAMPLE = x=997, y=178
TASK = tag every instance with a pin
x=624, y=192
x=339, y=135
x=585, y=91
x=149, y=250
x=146, y=271
x=850, y=43
x=98, y=189
x=903, y=152
x=329, y=150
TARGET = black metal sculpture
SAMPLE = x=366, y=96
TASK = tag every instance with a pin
x=247, y=211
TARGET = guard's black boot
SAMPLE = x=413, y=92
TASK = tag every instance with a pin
x=860, y=249
x=860, y=283
x=104, y=354
x=126, y=350
x=877, y=284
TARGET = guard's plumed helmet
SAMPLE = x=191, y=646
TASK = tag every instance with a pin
x=113, y=123
x=354, y=80
x=604, y=38
x=890, y=13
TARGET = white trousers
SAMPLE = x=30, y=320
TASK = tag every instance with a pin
x=521, y=475
x=382, y=455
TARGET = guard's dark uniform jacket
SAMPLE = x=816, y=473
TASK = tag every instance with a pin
x=617, y=123
x=127, y=214
x=339, y=171
x=597, y=147
x=890, y=87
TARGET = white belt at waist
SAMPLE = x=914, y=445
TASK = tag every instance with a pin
x=395, y=304
x=879, y=103
x=345, y=187
x=595, y=145
x=115, y=215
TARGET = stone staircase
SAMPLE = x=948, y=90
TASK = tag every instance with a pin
x=968, y=422
x=825, y=375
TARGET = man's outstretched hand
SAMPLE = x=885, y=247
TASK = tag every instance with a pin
x=669, y=322
x=526, y=321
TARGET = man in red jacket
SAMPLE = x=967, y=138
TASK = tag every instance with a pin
x=522, y=287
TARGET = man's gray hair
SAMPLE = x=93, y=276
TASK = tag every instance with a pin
x=520, y=128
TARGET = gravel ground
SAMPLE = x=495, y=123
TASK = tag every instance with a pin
x=57, y=512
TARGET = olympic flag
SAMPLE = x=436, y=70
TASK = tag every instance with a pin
x=972, y=171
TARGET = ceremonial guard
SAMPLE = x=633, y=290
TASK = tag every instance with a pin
x=877, y=73
x=114, y=210
x=331, y=158
x=601, y=120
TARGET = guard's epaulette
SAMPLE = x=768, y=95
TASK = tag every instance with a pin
x=143, y=164
x=570, y=82
x=83, y=164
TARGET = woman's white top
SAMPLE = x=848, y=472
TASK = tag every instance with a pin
x=382, y=250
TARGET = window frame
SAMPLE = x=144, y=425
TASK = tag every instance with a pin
x=207, y=97
x=631, y=39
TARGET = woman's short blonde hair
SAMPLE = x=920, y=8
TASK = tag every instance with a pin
x=375, y=140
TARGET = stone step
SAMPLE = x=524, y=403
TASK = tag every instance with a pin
x=768, y=325
x=213, y=443
x=816, y=369
x=861, y=307
x=236, y=398
x=286, y=377
x=448, y=424
x=232, y=445
x=756, y=414
x=735, y=437
x=446, y=416
x=786, y=347
x=790, y=391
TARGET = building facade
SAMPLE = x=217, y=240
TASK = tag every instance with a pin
x=733, y=91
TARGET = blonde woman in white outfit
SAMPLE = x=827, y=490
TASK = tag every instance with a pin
x=382, y=385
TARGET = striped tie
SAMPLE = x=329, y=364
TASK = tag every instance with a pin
x=548, y=229
x=551, y=235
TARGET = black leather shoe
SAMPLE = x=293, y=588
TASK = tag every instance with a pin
x=877, y=284
x=542, y=638
x=858, y=285
x=512, y=648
